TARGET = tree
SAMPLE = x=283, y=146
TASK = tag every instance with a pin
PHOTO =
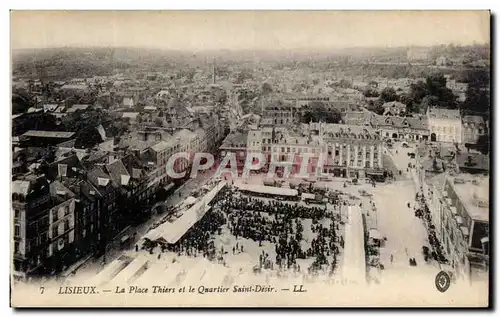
x=388, y=94
x=483, y=144
x=158, y=122
x=21, y=102
x=436, y=86
x=318, y=112
x=418, y=91
x=344, y=83
x=430, y=101
x=411, y=107
x=266, y=88
x=376, y=107
x=477, y=96
x=371, y=92
x=477, y=101
x=87, y=138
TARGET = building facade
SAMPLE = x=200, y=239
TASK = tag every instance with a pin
x=472, y=128
x=346, y=151
x=459, y=208
x=401, y=128
x=445, y=125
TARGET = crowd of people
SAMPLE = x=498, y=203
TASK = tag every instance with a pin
x=263, y=221
x=280, y=223
x=424, y=213
x=197, y=241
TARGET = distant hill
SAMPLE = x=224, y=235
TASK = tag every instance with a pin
x=67, y=62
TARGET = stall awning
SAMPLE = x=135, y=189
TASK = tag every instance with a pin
x=375, y=234
x=375, y=173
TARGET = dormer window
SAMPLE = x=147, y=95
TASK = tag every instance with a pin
x=103, y=181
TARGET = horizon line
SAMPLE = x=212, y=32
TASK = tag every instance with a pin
x=250, y=49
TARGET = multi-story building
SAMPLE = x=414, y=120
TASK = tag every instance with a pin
x=465, y=224
x=87, y=211
x=44, y=223
x=347, y=151
x=459, y=207
x=109, y=219
x=304, y=100
x=61, y=233
x=472, y=128
x=235, y=142
x=158, y=157
x=281, y=113
x=445, y=125
x=402, y=128
x=354, y=151
x=215, y=130
x=30, y=204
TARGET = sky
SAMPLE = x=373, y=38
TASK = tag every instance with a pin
x=238, y=30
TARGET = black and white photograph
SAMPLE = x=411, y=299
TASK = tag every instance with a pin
x=250, y=158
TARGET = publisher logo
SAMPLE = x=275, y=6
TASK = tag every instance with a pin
x=443, y=281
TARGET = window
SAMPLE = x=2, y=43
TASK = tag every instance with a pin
x=44, y=238
x=336, y=152
x=54, y=215
x=17, y=213
x=16, y=247
x=54, y=232
x=17, y=230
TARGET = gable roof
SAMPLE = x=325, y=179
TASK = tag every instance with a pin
x=98, y=177
x=441, y=113
x=72, y=164
x=118, y=172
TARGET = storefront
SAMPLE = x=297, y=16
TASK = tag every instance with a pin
x=376, y=175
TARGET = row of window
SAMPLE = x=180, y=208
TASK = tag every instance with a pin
x=449, y=129
x=472, y=130
x=316, y=151
x=352, y=162
x=60, y=228
x=60, y=213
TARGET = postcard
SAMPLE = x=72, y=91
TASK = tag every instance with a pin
x=250, y=158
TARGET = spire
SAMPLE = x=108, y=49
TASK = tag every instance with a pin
x=213, y=71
